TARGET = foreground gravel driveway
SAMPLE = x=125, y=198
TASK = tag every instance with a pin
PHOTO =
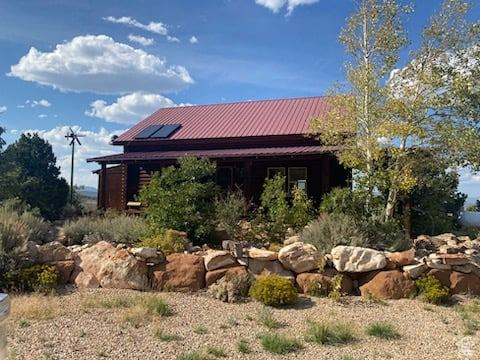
x=75, y=326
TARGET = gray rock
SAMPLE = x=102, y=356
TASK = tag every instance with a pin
x=53, y=251
x=216, y=259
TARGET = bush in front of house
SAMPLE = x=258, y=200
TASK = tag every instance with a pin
x=182, y=198
x=274, y=290
x=111, y=227
x=431, y=290
x=169, y=241
x=230, y=209
x=302, y=210
x=331, y=230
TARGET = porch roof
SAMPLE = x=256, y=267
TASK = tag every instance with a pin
x=215, y=154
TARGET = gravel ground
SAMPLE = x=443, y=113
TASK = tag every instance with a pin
x=71, y=326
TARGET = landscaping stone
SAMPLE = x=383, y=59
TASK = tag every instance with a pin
x=291, y=239
x=442, y=275
x=181, y=272
x=402, y=258
x=261, y=254
x=216, y=259
x=448, y=259
x=300, y=257
x=325, y=279
x=53, y=251
x=415, y=271
x=388, y=285
x=461, y=283
x=265, y=267
x=111, y=267
x=149, y=255
x=212, y=277
x=357, y=259
x=65, y=270
x=84, y=280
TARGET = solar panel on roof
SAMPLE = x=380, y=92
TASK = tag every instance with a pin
x=165, y=132
x=148, y=131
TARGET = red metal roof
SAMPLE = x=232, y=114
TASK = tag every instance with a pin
x=216, y=154
x=241, y=119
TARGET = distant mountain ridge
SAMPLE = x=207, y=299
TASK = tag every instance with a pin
x=87, y=191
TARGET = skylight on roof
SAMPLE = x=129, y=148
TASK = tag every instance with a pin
x=158, y=131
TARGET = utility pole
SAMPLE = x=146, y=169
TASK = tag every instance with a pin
x=74, y=138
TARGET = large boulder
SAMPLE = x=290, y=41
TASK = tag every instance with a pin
x=265, y=267
x=357, y=259
x=300, y=257
x=461, y=283
x=325, y=279
x=85, y=280
x=52, y=252
x=388, y=285
x=216, y=259
x=401, y=258
x=261, y=254
x=111, y=268
x=181, y=272
x=65, y=270
x=213, y=276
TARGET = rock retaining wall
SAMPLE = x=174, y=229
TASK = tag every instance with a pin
x=455, y=261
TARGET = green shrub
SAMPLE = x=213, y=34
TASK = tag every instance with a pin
x=382, y=330
x=301, y=211
x=384, y=235
x=40, y=278
x=229, y=210
x=327, y=333
x=273, y=290
x=158, y=306
x=216, y=351
x=265, y=317
x=169, y=241
x=431, y=290
x=166, y=337
x=231, y=288
x=243, y=346
x=318, y=289
x=273, y=213
x=330, y=230
x=279, y=344
x=344, y=201
x=181, y=198
x=111, y=227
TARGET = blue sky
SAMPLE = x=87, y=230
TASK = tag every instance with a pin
x=163, y=53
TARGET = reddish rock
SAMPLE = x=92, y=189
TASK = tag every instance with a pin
x=442, y=275
x=65, y=269
x=181, y=272
x=461, y=283
x=388, y=285
x=325, y=279
x=213, y=276
x=402, y=258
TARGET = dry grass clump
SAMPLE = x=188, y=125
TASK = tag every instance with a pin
x=35, y=307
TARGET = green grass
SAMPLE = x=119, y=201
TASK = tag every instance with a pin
x=470, y=314
x=326, y=333
x=158, y=306
x=218, y=352
x=265, y=317
x=192, y=355
x=166, y=337
x=200, y=330
x=382, y=330
x=24, y=323
x=243, y=346
x=279, y=344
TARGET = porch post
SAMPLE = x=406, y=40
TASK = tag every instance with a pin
x=103, y=189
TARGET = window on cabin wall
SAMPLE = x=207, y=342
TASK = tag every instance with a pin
x=297, y=176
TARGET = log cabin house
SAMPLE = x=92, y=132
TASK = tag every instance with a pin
x=249, y=141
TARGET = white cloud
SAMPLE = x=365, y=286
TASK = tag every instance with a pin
x=93, y=144
x=141, y=40
x=152, y=26
x=129, y=109
x=193, y=40
x=99, y=64
x=41, y=116
x=172, y=39
x=276, y=5
x=35, y=103
x=3, y=109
